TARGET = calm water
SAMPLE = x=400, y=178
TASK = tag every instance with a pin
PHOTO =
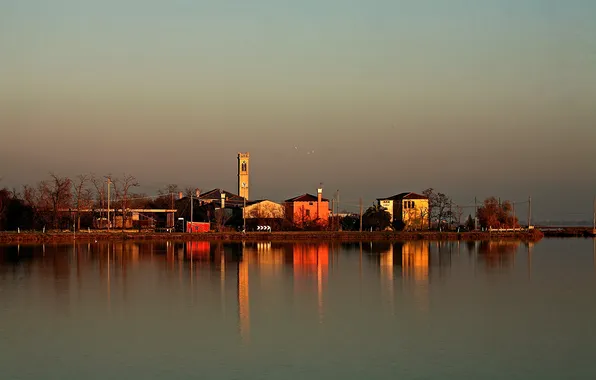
x=415, y=310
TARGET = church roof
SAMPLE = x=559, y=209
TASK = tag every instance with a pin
x=216, y=194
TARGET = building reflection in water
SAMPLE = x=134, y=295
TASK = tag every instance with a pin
x=216, y=257
x=498, y=254
x=231, y=265
x=412, y=259
x=311, y=260
x=415, y=267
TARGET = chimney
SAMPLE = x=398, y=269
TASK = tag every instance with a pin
x=319, y=200
x=180, y=195
x=223, y=200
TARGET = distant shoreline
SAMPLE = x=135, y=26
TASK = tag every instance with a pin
x=345, y=236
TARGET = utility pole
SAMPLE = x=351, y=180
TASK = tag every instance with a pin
x=244, y=216
x=338, y=224
x=594, y=218
x=475, y=214
x=450, y=214
x=360, y=219
x=529, y=212
x=173, y=222
x=191, y=212
x=109, y=182
x=333, y=211
x=513, y=222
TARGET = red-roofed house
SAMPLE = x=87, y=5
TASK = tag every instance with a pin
x=307, y=209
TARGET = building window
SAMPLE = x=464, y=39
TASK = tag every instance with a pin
x=307, y=213
x=409, y=204
x=310, y=203
x=243, y=166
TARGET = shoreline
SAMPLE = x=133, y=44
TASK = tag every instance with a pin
x=341, y=236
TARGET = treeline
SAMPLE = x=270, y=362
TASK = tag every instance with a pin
x=62, y=202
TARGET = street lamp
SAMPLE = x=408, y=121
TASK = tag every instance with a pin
x=109, y=182
x=244, y=209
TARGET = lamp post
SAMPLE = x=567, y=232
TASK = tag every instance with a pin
x=244, y=185
x=594, y=218
x=109, y=182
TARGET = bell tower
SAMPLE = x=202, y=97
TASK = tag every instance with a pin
x=243, y=174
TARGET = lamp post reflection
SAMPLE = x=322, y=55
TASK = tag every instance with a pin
x=530, y=246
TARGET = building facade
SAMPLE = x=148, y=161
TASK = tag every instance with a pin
x=410, y=209
x=308, y=210
x=264, y=209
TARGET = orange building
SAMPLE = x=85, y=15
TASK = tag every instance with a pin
x=306, y=209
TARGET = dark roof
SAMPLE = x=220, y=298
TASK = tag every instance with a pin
x=401, y=196
x=216, y=194
x=248, y=203
x=305, y=198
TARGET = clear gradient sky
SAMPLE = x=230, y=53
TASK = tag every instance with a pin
x=473, y=98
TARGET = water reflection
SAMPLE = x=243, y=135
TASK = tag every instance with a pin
x=498, y=254
x=233, y=268
x=360, y=310
x=243, y=300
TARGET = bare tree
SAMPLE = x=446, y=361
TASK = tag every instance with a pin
x=31, y=197
x=166, y=196
x=188, y=191
x=122, y=187
x=83, y=195
x=221, y=218
x=138, y=200
x=5, y=198
x=417, y=218
x=99, y=185
x=457, y=214
x=440, y=207
x=58, y=192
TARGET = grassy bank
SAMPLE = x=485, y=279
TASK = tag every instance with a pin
x=57, y=237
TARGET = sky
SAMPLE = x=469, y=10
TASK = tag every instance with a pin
x=472, y=98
